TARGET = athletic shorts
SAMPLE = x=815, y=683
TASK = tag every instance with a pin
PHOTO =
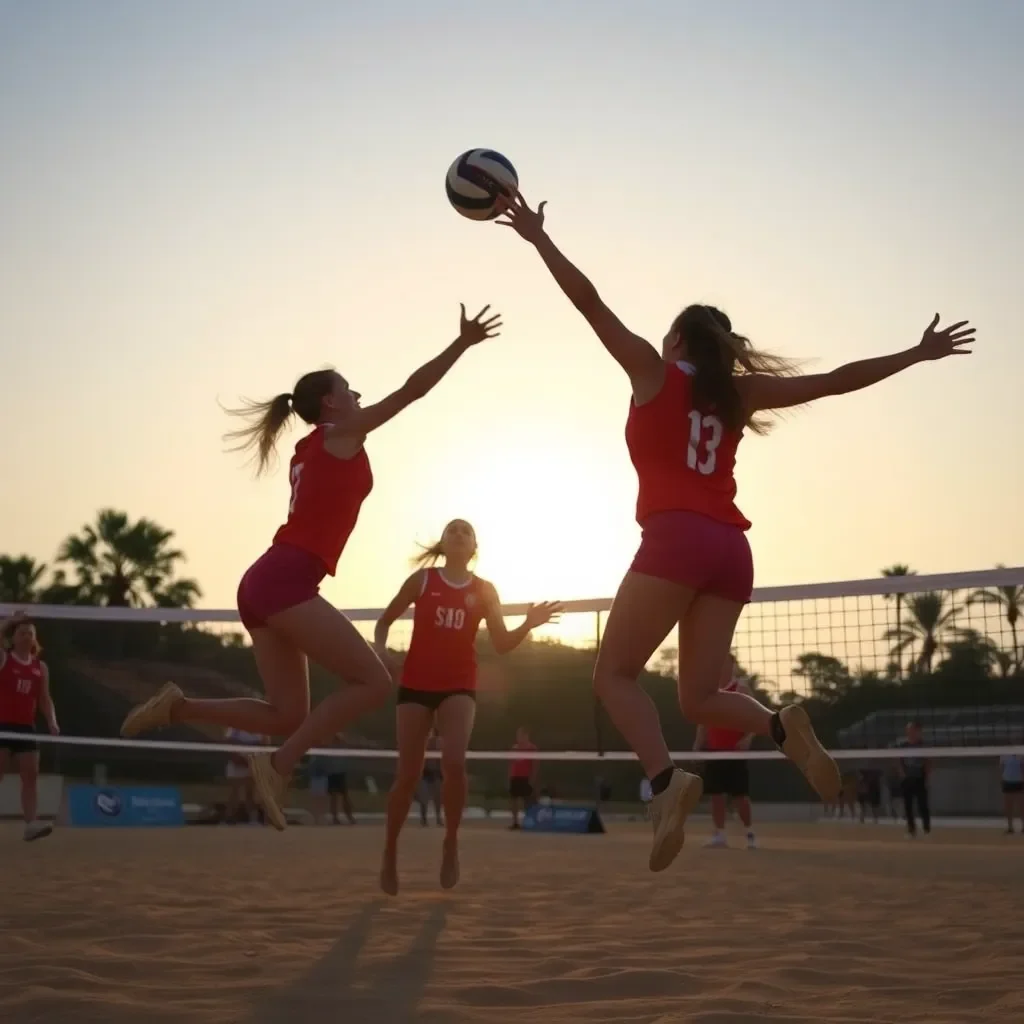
x=430, y=699
x=1013, y=787
x=726, y=778
x=519, y=788
x=696, y=551
x=281, y=578
x=337, y=783
x=15, y=747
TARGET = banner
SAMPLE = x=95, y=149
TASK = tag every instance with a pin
x=565, y=818
x=124, y=806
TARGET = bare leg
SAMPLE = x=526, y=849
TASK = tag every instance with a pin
x=644, y=611
x=455, y=719
x=412, y=727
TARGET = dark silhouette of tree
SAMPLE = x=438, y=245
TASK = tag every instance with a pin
x=828, y=679
x=123, y=564
x=1010, y=600
x=928, y=615
x=20, y=577
x=898, y=569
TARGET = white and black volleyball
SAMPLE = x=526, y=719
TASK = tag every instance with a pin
x=476, y=179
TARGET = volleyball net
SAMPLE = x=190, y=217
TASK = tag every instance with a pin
x=866, y=657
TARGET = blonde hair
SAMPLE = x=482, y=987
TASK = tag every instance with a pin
x=267, y=419
x=431, y=554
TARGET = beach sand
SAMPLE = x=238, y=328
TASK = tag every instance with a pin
x=825, y=923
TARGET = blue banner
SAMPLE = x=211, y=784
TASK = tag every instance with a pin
x=124, y=806
x=565, y=818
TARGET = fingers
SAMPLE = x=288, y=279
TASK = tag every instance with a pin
x=934, y=323
x=540, y=207
x=481, y=313
x=462, y=307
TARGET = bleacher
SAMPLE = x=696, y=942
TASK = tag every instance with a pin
x=997, y=725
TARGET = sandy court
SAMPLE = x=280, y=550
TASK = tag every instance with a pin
x=823, y=924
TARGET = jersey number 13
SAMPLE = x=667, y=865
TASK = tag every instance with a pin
x=705, y=437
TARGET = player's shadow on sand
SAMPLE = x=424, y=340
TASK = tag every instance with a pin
x=337, y=988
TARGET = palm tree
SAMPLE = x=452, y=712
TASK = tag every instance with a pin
x=898, y=569
x=1010, y=599
x=121, y=564
x=19, y=578
x=928, y=617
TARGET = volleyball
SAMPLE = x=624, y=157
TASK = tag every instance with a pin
x=476, y=179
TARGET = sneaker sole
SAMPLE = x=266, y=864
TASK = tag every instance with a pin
x=266, y=795
x=41, y=834
x=672, y=835
x=820, y=770
x=137, y=720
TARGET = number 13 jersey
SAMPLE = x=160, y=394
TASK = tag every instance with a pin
x=442, y=652
x=684, y=457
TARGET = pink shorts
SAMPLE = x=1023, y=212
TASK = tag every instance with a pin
x=279, y=579
x=699, y=552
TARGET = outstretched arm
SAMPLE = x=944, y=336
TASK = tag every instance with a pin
x=46, y=703
x=762, y=391
x=504, y=639
x=634, y=354
x=362, y=421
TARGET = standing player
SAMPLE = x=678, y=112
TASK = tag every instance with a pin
x=727, y=779
x=438, y=681
x=522, y=777
x=279, y=599
x=24, y=691
x=691, y=404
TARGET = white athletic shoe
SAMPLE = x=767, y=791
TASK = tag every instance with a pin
x=270, y=788
x=717, y=842
x=36, y=830
x=804, y=749
x=669, y=810
x=155, y=713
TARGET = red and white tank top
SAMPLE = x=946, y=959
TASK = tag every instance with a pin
x=327, y=494
x=21, y=682
x=716, y=738
x=684, y=457
x=442, y=652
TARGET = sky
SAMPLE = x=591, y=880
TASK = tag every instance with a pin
x=200, y=202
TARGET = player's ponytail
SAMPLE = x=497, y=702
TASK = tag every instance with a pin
x=267, y=419
x=718, y=354
x=429, y=555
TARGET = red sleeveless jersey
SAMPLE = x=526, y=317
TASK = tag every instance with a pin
x=442, y=652
x=716, y=738
x=327, y=494
x=684, y=457
x=20, y=685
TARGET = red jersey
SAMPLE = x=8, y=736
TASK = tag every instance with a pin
x=684, y=457
x=21, y=682
x=442, y=652
x=716, y=738
x=327, y=494
x=521, y=767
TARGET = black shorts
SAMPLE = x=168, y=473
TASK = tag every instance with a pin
x=520, y=788
x=15, y=747
x=726, y=778
x=337, y=783
x=1013, y=787
x=430, y=699
x=870, y=795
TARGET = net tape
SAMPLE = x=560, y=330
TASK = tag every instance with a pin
x=881, y=753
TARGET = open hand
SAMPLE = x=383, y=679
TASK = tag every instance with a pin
x=950, y=341
x=472, y=332
x=541, y=614
x=527, y=223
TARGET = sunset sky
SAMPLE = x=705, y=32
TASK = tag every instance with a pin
x=203, y=201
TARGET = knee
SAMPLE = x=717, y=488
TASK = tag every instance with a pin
x=407, y=776
x=289, y=719
x=609, y=676
x=453, y=767
x=691, y=704
x=378, y=686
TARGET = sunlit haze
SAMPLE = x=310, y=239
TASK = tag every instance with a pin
x=202, y=201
